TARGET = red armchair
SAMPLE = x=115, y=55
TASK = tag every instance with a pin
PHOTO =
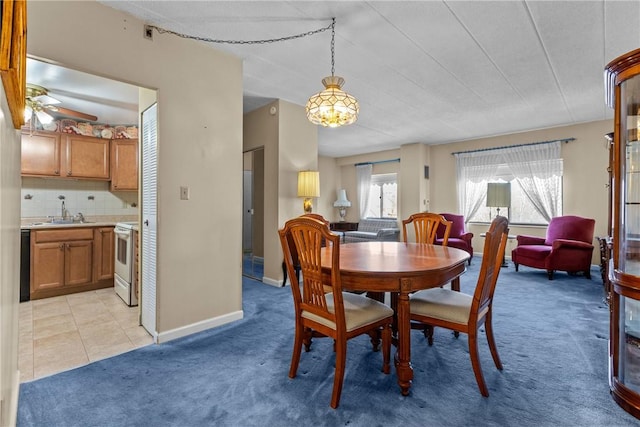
x=567, y=247
x=458, y=236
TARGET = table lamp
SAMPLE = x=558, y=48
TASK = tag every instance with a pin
x=308, y=187
x=342, y=204
x=498, y=196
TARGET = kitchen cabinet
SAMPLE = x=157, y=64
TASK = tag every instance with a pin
x=124, y=165
x=65, y=155
x=71, y=259
x=41, y=153
x=86, y=157
x=623, y=95
x=60, y=258
x=104, y=244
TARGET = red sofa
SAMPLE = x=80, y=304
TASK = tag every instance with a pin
x=458, y=237
x=567, y=247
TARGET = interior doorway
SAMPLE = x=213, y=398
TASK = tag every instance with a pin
x=253, y=214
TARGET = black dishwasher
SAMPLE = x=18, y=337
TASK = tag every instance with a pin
x=25, y=263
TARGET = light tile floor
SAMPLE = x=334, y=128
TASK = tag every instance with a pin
x=60, y=333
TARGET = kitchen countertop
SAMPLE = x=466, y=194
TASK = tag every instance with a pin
x=97, y=221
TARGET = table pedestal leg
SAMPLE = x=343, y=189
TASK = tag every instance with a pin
x=402, y=358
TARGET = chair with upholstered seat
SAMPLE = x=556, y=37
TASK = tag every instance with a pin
x=321, y=307
x=459, y=237
x=467, y=313
x=568, y=246
x=425, y=226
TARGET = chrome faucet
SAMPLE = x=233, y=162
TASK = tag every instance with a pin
x=64, y=211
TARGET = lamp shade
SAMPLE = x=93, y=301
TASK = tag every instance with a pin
x=308, y=184
x=342, y=201
x=332, y=107
x=499, y=194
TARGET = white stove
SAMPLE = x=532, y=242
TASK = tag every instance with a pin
x=123, y=278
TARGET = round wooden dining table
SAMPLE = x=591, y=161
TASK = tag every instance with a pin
x=399, y=268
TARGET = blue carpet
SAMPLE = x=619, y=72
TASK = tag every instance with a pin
x=552, y=337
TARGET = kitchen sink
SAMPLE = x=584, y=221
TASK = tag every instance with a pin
x=61, y=222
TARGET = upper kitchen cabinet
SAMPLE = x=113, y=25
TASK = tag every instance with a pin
x=64, y=155
x=41, y=153
x=124, y=165
x=86, y=157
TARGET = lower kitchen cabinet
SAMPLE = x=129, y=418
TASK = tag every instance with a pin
x=64, y=261
x=104, y=243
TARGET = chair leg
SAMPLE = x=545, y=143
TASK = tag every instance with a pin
x=386, y=349
x=341, y=358
x=306, y=339
x=374, y=334
x=475, y=362
x=428, y=333
x=587, y=274
x=550, y=274
x=516, y=265
x=284, y=273
x=297, y=349
x=488, y=326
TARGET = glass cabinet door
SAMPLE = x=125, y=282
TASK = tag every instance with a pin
x=623, y=94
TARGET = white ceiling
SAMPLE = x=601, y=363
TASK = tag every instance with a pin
x=113, y=102
x=423, y=71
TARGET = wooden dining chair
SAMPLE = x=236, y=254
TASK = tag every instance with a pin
x=296, y=264
x=467, y=313
x=335, y=314
x=425, y=225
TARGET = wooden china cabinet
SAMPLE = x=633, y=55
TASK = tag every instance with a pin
x=622, y=77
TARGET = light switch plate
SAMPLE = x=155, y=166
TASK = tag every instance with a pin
x=184, y=193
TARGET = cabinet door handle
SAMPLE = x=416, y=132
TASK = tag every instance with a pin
x=61, y=246
x=56, y=172
x=69, y=173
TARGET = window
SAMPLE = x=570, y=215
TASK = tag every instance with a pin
x=383, y=196
x=535, y=174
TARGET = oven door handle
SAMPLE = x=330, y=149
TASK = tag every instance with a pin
x=125, y=234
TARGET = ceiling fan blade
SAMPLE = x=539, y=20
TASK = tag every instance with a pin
x=72, y=113
x=45, y=99
x=44, y=118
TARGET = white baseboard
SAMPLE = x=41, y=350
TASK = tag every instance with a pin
x=272, y=282
x=203, y=325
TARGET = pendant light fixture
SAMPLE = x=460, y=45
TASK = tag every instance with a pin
x=332, y=107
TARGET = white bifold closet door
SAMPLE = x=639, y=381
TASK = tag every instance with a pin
x=148, y=226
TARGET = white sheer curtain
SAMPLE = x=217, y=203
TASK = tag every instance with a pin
x=476, y=167
x=532, y=167
x=363, y=177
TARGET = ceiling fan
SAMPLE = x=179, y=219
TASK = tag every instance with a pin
x=38, y=102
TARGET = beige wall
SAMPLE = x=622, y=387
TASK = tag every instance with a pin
x=413, y=187
x=9, y=263
x=330, y=183
x=199, y=145
x=291, y=145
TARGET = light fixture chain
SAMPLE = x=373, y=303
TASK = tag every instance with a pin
x=264, y=41
x=333, y=45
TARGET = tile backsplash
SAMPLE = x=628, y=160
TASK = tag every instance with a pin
x=40, y=198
